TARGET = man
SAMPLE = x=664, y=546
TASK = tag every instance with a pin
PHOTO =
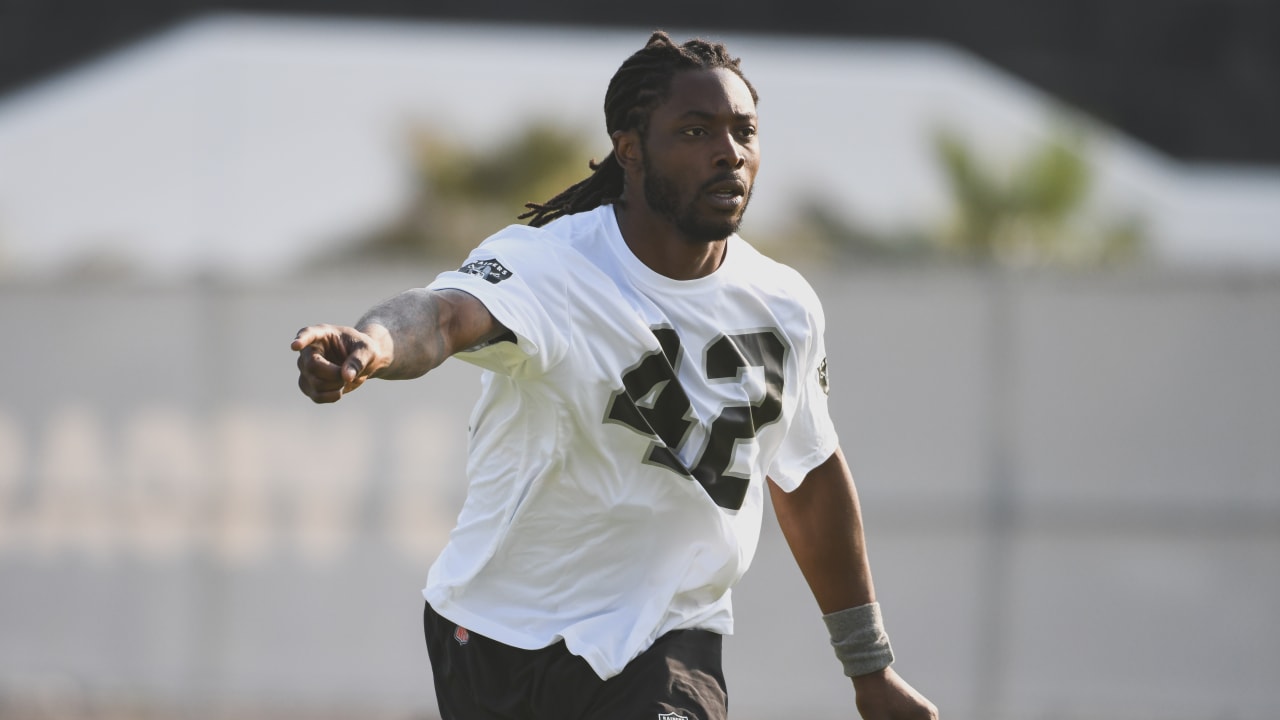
x=647, y=373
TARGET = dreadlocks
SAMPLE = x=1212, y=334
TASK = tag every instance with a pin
x=641, y=84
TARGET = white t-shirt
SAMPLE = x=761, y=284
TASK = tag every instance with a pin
x=620, y=445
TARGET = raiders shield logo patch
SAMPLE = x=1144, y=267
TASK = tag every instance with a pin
x=671, y=716
x=490, y=270
x=822, y=377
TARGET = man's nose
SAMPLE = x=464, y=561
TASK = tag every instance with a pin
x=729, y=152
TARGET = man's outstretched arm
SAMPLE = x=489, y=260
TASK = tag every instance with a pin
x=822, y=522
x=402, y=338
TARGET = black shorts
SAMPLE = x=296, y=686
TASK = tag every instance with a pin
x=476, y=678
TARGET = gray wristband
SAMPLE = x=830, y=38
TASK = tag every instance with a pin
x=859, y=639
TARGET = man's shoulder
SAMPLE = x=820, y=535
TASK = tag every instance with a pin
x=772, y=276
x=563, y=232
x=551, y=254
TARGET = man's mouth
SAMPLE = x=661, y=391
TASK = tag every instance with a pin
x=727, y=193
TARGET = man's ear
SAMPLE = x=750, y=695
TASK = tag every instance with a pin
x=626, y=147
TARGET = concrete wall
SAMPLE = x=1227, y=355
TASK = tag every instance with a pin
x=1072, y=489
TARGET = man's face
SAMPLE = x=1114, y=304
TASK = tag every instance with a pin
x=701, y=154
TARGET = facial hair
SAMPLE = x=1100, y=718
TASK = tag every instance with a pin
x=663, y=197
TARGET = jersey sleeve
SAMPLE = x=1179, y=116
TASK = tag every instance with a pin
x=811, y=437
x=515, y=275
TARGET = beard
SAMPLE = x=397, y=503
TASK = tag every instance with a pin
x=663, y=196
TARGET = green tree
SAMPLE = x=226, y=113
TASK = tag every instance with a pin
x=1033, y=213
x=461, y=194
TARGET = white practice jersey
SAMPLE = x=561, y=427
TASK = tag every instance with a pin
x=620, y=445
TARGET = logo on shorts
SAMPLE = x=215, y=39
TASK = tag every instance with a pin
x=462, y=635
x=671, y=716
x=490, y=270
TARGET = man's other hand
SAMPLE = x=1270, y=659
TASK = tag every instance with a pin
x=885, y=695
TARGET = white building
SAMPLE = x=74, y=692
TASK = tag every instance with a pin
x=235, y=144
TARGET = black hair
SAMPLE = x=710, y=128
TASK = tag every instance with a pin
x=642, y=83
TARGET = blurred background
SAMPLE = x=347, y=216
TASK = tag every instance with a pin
x=1047, y=237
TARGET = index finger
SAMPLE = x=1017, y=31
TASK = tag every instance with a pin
x=305, y=337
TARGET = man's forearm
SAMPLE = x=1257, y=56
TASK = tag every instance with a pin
x=822, y=523
x=410, y=330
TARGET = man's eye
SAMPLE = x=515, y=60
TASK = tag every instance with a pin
x=747, y=132
x=695, y=131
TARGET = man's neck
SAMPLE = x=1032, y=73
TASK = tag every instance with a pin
x=659, y=245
